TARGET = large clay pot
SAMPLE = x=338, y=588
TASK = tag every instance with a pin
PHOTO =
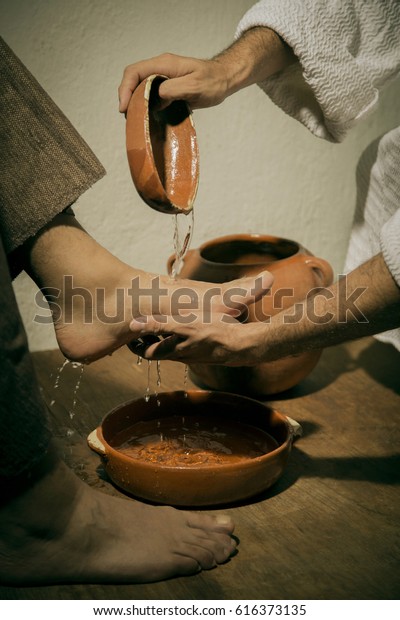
x=296, y=272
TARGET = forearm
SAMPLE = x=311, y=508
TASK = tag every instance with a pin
x=256, y=55
x=364, y=303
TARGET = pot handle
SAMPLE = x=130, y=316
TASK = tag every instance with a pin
x=171, y=260
x=322, y=269
x=95, y=443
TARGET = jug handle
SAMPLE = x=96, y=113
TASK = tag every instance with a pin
x=171, y=260
x=321, y=267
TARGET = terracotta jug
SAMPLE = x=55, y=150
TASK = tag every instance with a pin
x=296, y=272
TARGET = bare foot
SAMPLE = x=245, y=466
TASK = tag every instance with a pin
x=59, y=530
x=94, y=296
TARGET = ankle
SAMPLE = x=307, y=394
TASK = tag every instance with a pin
x=31, y=497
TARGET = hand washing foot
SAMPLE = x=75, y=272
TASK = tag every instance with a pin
x=94, y=296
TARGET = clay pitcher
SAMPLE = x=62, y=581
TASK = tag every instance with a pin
x=296, y=272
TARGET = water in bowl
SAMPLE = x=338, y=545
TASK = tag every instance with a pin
x=191, y=441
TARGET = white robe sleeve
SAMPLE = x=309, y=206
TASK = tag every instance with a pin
x=347, y=51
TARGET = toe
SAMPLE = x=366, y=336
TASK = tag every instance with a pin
x=221, y=546
x=204, y=556
x=218, y=523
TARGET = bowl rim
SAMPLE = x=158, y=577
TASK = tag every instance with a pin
x=246, y=463
x=248, y=237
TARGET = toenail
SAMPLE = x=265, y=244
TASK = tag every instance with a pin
x=231, y=549
x=223, y=520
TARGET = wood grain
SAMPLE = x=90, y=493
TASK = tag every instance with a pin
x=329, y=529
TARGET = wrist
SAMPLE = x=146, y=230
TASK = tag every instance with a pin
x=258, y=54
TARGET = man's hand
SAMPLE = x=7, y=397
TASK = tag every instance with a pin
x=201, y=83
x=220, y=340
x=206, y=328
x=258, y=54
x=365, y=303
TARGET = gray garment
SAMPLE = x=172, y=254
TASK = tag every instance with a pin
x=23, y=420
x=44, y=167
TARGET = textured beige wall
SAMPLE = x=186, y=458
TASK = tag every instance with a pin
x=260, y=170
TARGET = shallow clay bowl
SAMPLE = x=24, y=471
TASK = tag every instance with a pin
x=162, y=149
x=207, y=483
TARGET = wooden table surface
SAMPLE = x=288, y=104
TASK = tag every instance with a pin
x=328, y=529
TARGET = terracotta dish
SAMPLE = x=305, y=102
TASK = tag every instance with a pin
x=193, y=448
x=162, y=149
x=297, y=273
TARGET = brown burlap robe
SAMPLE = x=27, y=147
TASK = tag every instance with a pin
x=44, y=167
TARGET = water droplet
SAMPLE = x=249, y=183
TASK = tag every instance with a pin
x=158, y=373
x=59, y=371
x=147, y=393
x=77, y=386
x=180, y=249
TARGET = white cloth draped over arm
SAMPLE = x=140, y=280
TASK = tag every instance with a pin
x=347, y=51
